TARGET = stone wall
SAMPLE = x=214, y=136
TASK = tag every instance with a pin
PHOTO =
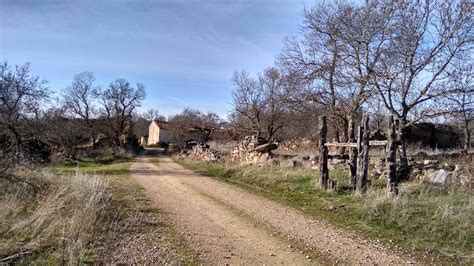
x=252, y=150
x=297, y=144
x=201, y=152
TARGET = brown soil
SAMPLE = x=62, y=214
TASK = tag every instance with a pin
x=225, y=224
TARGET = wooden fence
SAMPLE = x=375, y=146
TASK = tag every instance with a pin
x=359, y=155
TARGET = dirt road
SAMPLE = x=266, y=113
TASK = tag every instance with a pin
x=225, y=224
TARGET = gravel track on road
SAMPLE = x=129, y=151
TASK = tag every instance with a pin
x=226, y=224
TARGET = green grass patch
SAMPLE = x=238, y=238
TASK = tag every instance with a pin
x=107, y=167
x=154, y=160
x=423, y=219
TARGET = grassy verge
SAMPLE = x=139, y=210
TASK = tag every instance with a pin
x=54, y=225
x=134, y=212
x=92, y=211
x=154, y=161
x=430, y=221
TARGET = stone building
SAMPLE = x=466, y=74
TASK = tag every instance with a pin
x=159, y=132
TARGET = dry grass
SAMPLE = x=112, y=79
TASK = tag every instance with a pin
x=62, y=219
x=132, y=229
x=91, y=211
x=431, y=218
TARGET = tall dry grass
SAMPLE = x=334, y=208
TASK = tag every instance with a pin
x=429, y=214
x=62, y=219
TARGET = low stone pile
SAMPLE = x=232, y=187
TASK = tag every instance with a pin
x=252, y=150
x=297, y=144
x=201, y=152
x=433, y=172
x=172, y=149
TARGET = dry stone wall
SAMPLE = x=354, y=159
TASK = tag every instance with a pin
x=252, y=150
x=202, y=152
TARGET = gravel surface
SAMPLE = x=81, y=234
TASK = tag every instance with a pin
x=144, y=238
x=226, y=224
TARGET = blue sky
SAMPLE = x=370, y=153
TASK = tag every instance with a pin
x=184, y=52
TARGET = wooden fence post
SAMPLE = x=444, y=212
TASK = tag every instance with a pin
x=392, y=182
x=323, y=152
x=363, y=157
x=352, y=153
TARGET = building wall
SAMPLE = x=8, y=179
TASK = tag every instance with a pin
x=153, y=134
x=165, y=135
x=157, y=134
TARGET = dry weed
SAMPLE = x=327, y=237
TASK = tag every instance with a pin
x=65, y=216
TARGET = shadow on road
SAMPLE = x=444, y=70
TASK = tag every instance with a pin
x=153, y=152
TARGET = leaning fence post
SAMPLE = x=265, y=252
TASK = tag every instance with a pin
x=392, y=183
x=323, y=152
x=363, y=157
x=352, y=153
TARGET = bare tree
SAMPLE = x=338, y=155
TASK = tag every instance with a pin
x=314, y=60
x=365, y=33
x=258, y=104
x=461, y=102
x=63, y=133
x=79, y=100
x=119, y=102
x=248, y=102
x=334, y=58
x=21, y=97
x=142, y=121
x=153, y=114
x=193, y=124
x=425, y=37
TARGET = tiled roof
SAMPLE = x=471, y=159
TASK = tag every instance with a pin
x=162, y=124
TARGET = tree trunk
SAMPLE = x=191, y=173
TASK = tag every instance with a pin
x=344, y=138
x=323, y=154
x=392, y=182
x=94, y=137
x=467, y=136
x=352, y=153
x=404, y=170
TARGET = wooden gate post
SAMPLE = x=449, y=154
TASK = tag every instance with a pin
x=352, y=153
x=392, y=182
x=323, y=152
x=363, y=157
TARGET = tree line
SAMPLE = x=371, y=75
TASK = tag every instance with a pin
x=32, y=116
x=409, y=59
x=82, y=114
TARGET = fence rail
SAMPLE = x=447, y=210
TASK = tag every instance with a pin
x=359, y=155
x=354, y=145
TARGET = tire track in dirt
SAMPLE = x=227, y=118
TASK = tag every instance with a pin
x=225, y=224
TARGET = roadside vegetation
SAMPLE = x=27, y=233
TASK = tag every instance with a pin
x=88, y=212
x=424, y=218
x=57, y=226
x=154, y=161
x=66, y=195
